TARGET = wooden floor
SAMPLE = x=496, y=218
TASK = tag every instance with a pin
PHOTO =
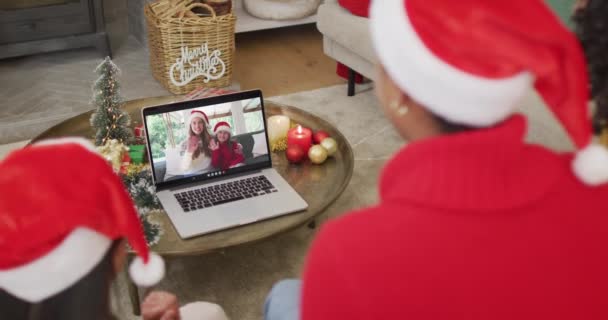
x=282, y=61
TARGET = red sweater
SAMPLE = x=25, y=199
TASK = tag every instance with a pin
x=476, y=225
x=227, y=155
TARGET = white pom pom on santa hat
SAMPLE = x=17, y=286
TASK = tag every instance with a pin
x=590, y=165
x=147, y=274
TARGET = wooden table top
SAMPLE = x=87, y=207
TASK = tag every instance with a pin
x=319, y=185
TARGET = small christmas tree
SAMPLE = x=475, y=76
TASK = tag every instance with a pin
x=138, y=181
x=109, y=120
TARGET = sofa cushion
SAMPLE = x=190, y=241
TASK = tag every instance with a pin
x=350, y=31
x=281, y=10
x=259, y=145
x=251, y=143
x=246, y=140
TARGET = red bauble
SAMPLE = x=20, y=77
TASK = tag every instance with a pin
x=295, y=154
x=319, y=136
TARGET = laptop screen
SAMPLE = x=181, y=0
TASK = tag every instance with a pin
x=207, y=138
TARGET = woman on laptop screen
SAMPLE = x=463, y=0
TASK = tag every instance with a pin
x=195, y=155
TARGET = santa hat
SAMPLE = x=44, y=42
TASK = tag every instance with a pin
x=471, y=61
x=61, y=208
x=198, y=114
x=222, y=126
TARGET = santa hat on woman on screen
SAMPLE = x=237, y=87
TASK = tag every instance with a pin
x=198, y=114
x=222, y=126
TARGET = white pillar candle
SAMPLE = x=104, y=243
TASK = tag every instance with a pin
x=277, y=127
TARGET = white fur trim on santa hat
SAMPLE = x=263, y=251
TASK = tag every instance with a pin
x=67, y=140
x=197, y=114
x=449, y=92
x=223, y=128
x=148, y=274
x=59, y=269
x=590, y=165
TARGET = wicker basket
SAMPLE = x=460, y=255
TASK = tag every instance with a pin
x=190, y=52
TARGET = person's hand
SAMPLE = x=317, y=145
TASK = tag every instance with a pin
x=213, y=145
x=239, y=148
x=160, y=305
x=193, y=142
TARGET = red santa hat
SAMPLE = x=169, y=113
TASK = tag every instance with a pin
x=471, y=62
x=198, y=114
x=222, y=126
x=61, y=207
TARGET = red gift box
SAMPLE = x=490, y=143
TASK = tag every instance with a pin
x=139, y=131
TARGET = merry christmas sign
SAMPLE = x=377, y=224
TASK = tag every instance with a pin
x=197, y=62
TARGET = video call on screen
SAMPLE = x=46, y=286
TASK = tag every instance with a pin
x=184, y=146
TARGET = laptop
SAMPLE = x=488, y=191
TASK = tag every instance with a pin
x=204, y=187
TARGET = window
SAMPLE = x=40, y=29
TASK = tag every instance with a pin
x=254, y=121
x=159, y=132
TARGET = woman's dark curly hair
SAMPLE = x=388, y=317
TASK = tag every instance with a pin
x=592, y=30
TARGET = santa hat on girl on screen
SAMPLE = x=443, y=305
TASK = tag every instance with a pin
x=222, y=126
x=61, y=208
x=471, y=62
x=198, y=114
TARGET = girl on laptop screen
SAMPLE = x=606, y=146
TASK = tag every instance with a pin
x=225, y=152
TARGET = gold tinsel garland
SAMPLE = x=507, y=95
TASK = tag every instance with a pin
x=133, y=169
x=114, y=151
x=279, y=145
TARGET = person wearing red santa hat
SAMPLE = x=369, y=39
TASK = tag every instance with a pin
x=194, y=153
x=225, y=152
x=472, y=223
x=64, y=220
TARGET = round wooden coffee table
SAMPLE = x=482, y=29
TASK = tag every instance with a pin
x=319, y=185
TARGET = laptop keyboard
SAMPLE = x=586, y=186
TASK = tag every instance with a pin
x=224, y=193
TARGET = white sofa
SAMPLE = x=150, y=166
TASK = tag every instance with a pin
x=346, y=38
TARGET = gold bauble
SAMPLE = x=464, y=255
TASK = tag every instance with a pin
x=317, y=154
x=330, y=145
